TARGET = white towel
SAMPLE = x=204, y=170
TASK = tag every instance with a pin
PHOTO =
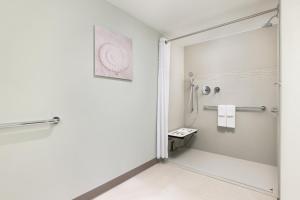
x=230, y=116
x=222, y=110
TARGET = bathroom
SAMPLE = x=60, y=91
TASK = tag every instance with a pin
x=93, y=93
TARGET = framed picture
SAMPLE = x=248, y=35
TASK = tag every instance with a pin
x=113, y=54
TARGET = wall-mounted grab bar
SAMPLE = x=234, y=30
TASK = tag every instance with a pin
x=54, y=120
x=254, y=108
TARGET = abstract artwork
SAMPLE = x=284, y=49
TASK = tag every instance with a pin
x=113, y=54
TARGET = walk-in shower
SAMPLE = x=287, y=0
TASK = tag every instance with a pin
x=237, y=71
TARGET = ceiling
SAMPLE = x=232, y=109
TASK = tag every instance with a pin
x=177, y=17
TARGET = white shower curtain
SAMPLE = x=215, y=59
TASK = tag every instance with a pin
x=163, y=99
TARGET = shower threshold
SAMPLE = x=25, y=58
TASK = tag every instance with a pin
x=251, y=175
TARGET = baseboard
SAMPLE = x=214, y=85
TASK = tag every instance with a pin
x=116, y=181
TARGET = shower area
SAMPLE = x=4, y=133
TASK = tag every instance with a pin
x=235, y=76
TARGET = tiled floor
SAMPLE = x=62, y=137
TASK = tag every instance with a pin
x=166, y=181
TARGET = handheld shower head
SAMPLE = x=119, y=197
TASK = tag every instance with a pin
x=191, y=74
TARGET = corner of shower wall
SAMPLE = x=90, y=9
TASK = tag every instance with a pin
x=176, y=102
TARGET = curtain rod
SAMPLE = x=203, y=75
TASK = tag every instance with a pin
x=225, y=24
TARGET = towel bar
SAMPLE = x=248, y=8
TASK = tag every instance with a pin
x=238, y=108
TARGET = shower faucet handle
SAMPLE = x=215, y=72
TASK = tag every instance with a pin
x=205, y=90
x=217, y=90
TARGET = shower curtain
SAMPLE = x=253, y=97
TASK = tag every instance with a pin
x=163, y=99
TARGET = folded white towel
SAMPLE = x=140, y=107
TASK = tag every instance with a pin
x=230, y=116
x=222, y=110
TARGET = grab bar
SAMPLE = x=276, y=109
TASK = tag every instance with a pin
x=54, y=120
x=238, y=108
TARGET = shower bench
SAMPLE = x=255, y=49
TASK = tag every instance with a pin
x=180, y=134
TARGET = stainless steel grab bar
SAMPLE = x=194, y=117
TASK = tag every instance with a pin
x=238, y=108
x=54, y=120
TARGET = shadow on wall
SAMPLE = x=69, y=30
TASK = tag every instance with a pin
x=24, y=134
x=225, y=130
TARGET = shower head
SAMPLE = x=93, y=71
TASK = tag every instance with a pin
x=191, y=74
x=269, y=23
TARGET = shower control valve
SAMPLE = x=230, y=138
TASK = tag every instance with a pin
x=205, y=90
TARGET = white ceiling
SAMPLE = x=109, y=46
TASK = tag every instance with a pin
x=177, y=17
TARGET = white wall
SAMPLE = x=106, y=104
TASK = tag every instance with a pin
x=46, y=68
x=244, y=66
x=290, y=99
x=176, y=104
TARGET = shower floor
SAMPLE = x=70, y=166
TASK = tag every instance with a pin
x=251, y=175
